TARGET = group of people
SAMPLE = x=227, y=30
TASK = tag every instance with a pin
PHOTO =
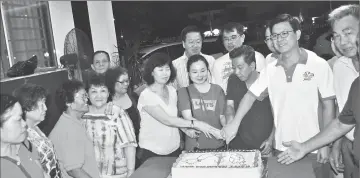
x=283, y=104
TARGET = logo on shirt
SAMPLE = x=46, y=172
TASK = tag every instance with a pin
x=308, y=76
x=205, y=105
x=227, y=70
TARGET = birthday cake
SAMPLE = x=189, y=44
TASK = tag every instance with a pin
x=216, y=164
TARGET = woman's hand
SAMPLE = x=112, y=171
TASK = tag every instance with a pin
x=192, y=133
x=207, y=129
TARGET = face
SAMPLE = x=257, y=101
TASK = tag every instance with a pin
x=232, y=39
x=198, y=72
x=241, y=69
x=98, y=95
x=268, y=40
x=193, y=43
x=122, y=84
x=13, y=130
x=80, y=102
x=161, y=74
x=38, y=114
x=344, y=35
x=284, y=37
x=101, y=63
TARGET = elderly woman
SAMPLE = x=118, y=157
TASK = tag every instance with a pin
x=18, y=158
x=112, y=136
x=100, y=63
x=118, y=83
x=73, y=146
x=32, y=99
x=159, y=126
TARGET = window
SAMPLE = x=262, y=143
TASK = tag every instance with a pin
x=28, y=32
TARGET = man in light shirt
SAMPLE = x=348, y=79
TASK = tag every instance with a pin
x=345, y=25
x=233, y=37
x=192, y=39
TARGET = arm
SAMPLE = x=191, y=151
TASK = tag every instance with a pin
x=78, y=173
x=130, y=159
x=230, y=111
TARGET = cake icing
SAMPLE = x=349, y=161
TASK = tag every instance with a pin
x=211, y=164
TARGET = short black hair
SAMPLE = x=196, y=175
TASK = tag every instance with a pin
x=66, y=93
x=343, y=11
x=293, y=21
x=158, y=59
x=193, y=59
x=99, y=52
x=98, y=81
x=112, y=75
x=247, y=52
x=189, y=29
x=29, y=94
x=6, y=102
x=230, y=26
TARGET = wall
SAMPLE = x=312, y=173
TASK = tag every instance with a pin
x=102, y=26
x=62, y=22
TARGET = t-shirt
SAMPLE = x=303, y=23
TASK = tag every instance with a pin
x=154, y=135
x=10, y=168
x=206, y=107
x=257, y=124
x=351, y=114
x=74, y=148
x=223, y=69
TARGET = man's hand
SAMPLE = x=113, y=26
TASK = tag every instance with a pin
x=230, y=131
x=323, y=155
x=266, y=147
x=294, y=152
x=335, y=159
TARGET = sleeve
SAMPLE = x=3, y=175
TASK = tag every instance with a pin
x=261, y=83
x=215, y=74
x=325, y=82
x=260, y=61
x=183, y=99
x=146, y=99
x=72, y=150
x=126, y=130
x=347, y=114
x=221, y=101
x=211, y=61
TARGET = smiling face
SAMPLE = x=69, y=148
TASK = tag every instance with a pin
x=122, y=84
x=80, y=102
x=39, y=111
x=242, y=69
x=13, y=130
x=345, y=31
x=161, y=74
x=287, y=38
x=198, y=72
x=192, y=43
x=98, y=95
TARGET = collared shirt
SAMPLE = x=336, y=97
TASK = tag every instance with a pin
x=344, y=75
x=182, y=75
x=223, y=69
x=73, y=146
x=294, y=94
x=270, y=58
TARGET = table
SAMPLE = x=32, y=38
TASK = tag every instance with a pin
x=160, y=167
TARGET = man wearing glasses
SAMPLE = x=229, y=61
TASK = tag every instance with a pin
x=233, y=37
x=297, y=82
x=192, y=40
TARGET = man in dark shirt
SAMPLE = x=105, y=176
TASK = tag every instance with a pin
x=256, y=128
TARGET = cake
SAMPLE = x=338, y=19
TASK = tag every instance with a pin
x=218, y=164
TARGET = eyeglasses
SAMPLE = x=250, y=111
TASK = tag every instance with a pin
x=232, y=38
x=83, y=96
x=283, y=34
x=123, y=82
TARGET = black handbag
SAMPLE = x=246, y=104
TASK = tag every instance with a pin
x=23, y=68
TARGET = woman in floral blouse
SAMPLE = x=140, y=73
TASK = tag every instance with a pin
x=113, y=136
x=32, y=99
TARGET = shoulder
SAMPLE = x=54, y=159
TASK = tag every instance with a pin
x=258, y=55
x=216, y=87
x=177, y=60
x=208, y=57
x=171, y=88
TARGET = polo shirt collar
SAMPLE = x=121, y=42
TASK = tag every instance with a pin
x=303, y=58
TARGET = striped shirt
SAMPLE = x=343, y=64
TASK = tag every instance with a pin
x=182, y=76
x=110, y=135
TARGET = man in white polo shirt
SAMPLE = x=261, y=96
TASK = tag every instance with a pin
x=192, y=39
x=344, y=21
x=233, y=37
x=296, y=84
